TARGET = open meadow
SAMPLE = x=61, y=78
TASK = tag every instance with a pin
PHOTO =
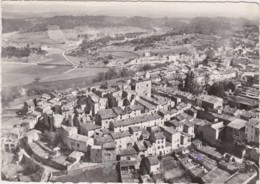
x=121, y=54
x=28, y=38
x=76, y=73
x=14, y=74
x=57, y=59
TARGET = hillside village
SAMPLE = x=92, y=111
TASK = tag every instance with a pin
x=130, y=99
x=148, y=128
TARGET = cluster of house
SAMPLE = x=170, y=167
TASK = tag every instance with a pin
x=204, y=163
x=123, y=120
x=150, y=58
x=176, y=71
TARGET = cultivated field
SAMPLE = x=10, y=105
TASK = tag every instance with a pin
x=20, y=74
x=70, y=34
x=108, y=30
x=54, y=33
x=76, y=73
x=31, y=59
x=121, y=54
x=57, y=58
x=28, y=38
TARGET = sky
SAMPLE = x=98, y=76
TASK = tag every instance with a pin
x=129, y=9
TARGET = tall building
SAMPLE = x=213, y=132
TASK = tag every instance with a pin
x=142, y=86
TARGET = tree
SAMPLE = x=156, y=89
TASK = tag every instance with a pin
x=191, y=85
x=111, y=73
x=106, y=62
x=217, y=89
x=23, y=110
x=37, y=79
x=239, y=138
x=250, y=81
x=207, y=78
x=143, y=171
x=110, y=57
x=210, y=54
x=146, y=67
x=126, y=72
x=53, y=138
x=230, y=86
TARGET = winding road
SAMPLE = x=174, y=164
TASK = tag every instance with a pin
x=69, y=60
x=64, y=55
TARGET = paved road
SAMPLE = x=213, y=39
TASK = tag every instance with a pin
x=64, y=53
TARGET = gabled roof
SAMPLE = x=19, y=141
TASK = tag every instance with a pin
x=140, y=146
x=209, y=98
x=153, y=160
x=103, y=140
x=118, y=110
x=170, y=130
x=159, y=136
x=119, y=135
x=134, y=107
x=135, y=120
x=109, y=145
x=237, y=124
x=128, y=152
x=107, y=113
x=175, y=123
x=253, y=122
x=79, y=137
x=187, y=123
x=147, y=143
x=248, y=114
x=229, y=110
x=135, y=128
x=90, y=126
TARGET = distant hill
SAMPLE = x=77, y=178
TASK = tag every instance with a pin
x=198, y=24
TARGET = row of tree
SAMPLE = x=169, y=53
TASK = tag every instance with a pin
x=11, y=51
x=112, y=73
x=148, y=67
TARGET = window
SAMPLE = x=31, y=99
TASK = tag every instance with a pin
x=107, y=154
x=78, y=145
x=158, y=147
x=128, y=158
